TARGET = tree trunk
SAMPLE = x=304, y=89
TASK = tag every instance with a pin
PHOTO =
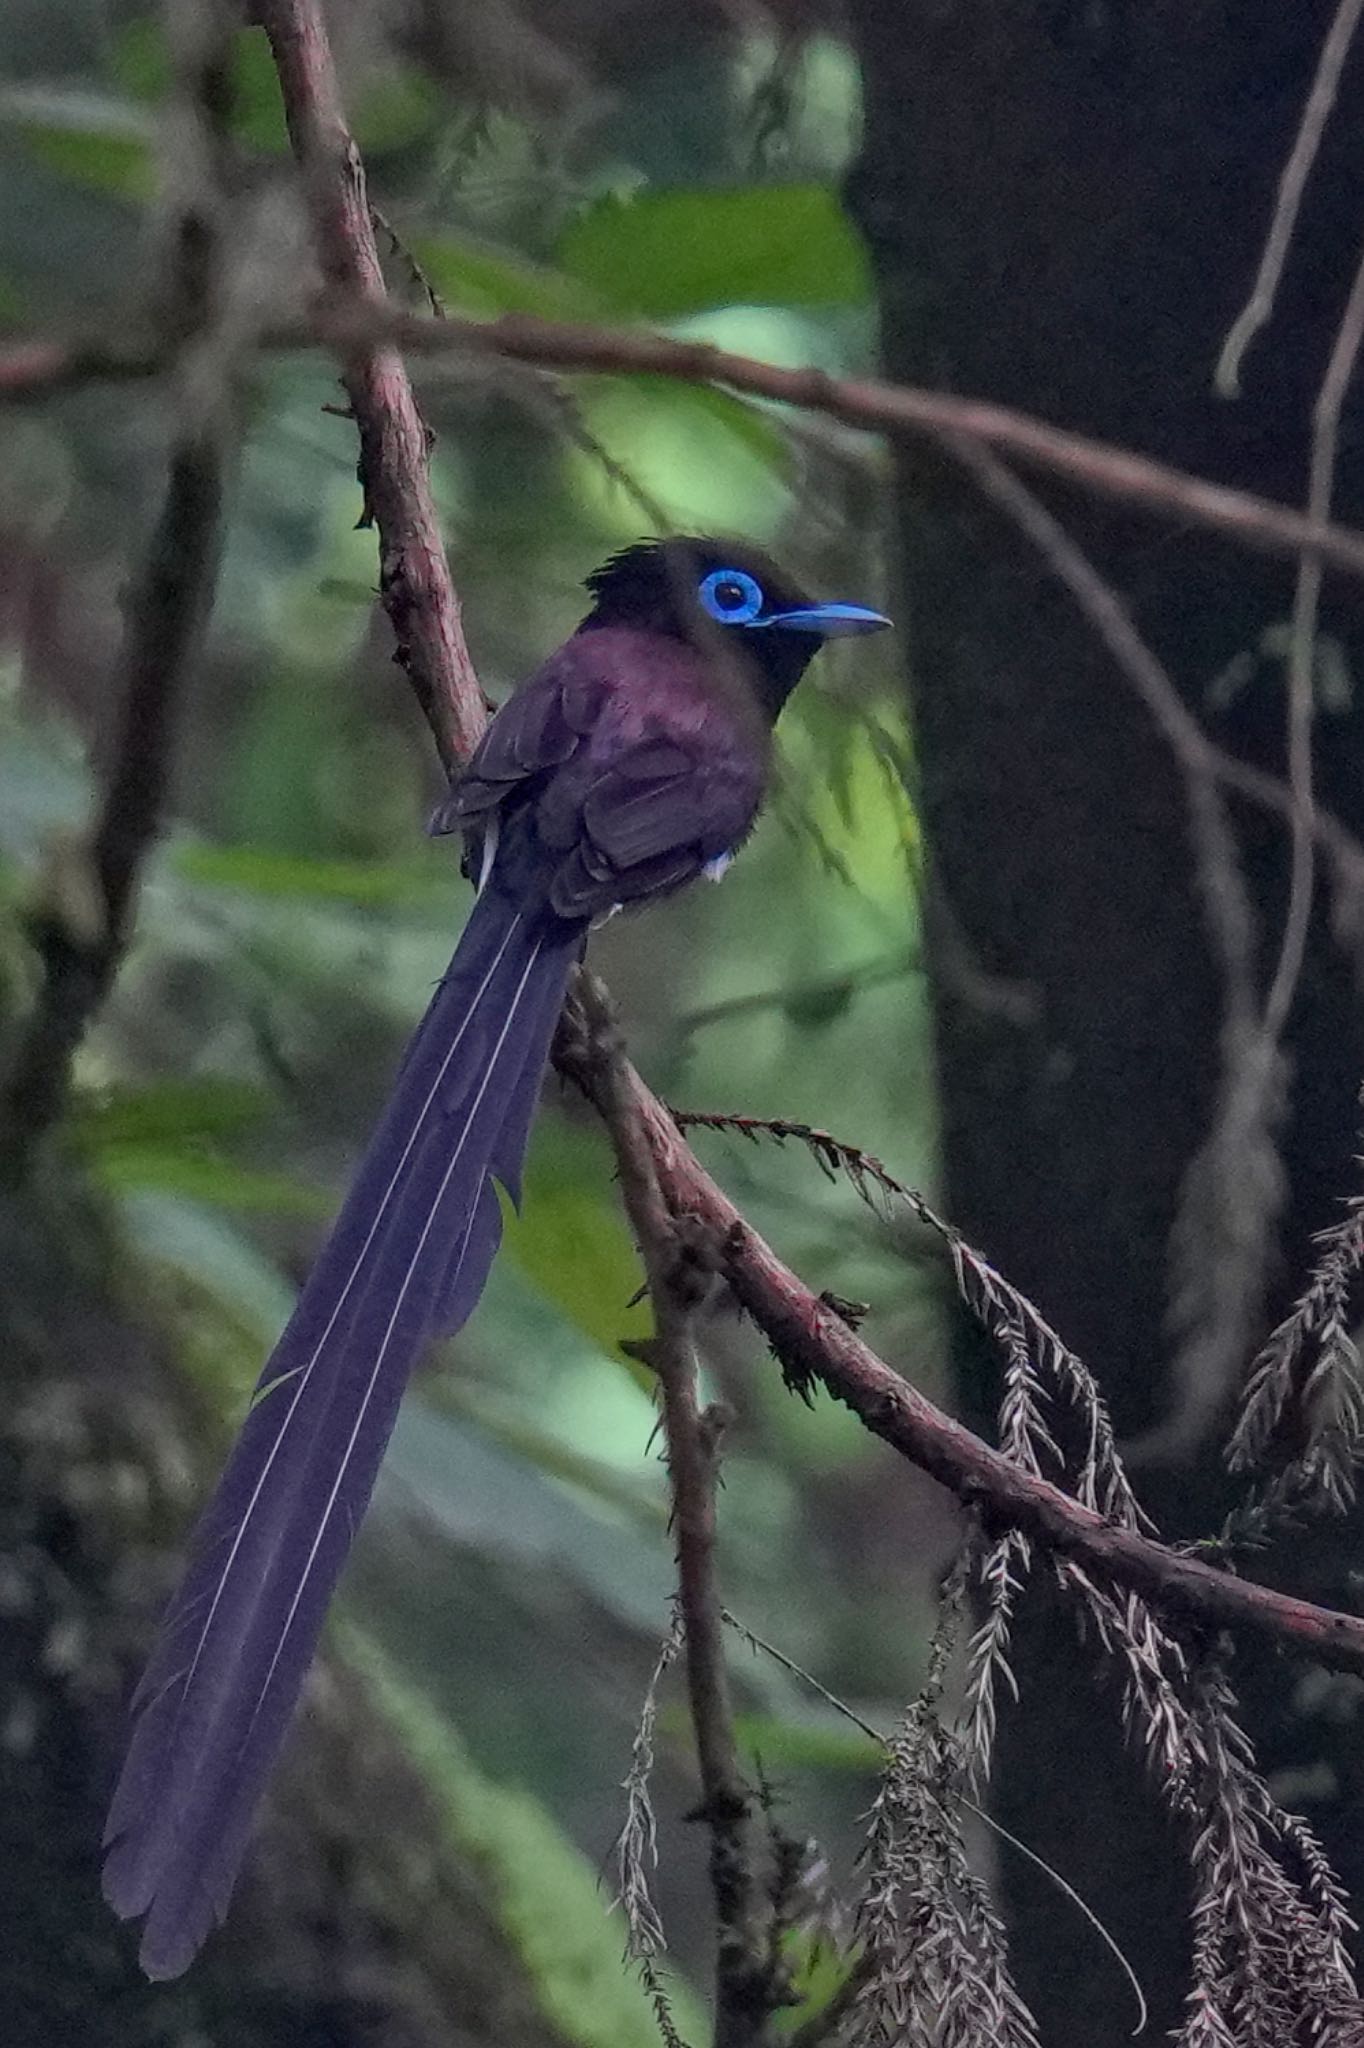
x=1066, y=206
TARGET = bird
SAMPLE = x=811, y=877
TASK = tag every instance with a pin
x=633, y=761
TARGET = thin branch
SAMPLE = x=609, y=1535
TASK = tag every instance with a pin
x=1234, y=1188
x=815, y=1343
x=853, y=981
x=1226, y=901
x=637, y=1852
x=1259, y=307
x=414, y=576
x=745, y=1983
x=1335, y=383
x=82, y=929
x=39, y=366
x=35, y=368
x=417, y=276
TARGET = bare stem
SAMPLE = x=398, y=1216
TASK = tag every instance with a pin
x=746, y=1993
x=1335, y=383
x=1259, y=307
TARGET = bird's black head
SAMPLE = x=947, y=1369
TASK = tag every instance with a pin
x=723, y=594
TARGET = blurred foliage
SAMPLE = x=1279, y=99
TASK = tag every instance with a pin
x=515, y=1581
x=541, y=1888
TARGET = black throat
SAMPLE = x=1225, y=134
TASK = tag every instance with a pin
x=652, y=586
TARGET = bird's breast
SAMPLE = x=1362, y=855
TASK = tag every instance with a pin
x=657, y=688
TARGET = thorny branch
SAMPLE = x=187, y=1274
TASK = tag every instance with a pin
x=815, y=1343
x=746, y=1990
x=414, y=575
x=81, y=930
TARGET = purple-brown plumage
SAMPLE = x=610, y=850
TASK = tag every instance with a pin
x=634, y=758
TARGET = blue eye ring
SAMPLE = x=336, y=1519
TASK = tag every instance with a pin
x=731, y=596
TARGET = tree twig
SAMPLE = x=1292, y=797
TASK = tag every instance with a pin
x=34, y=368
x=1335, y=383
x=744, y=1982
x=637, y=1852
x=1259, y=307
x=414, y=576
x=1231, y=1194
x=815, y=1343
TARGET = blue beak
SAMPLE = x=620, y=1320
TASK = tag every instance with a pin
x=829, y=621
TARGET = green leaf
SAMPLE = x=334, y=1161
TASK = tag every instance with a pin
x=716, y=463
x=666, y=254
x=93, y=141
x=390, y=111
x=635, y=1493
x=213, y=1106
x=140, y=63
x=571, y=1239
x=257, y=103
x=471, y=1492
x=808, y=1745
x=545, y=1894
x=261, y=871
x=395, y=110
x=818, y=1974
x=160, y=1139
x=201, y=1248
x=475, y=277
x=203, y=1176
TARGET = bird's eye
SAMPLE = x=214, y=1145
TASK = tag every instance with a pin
x=731, y=596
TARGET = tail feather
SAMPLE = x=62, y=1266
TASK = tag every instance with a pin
x=408, y=1256
x=468, y=1267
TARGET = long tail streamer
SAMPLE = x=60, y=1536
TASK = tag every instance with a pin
x=406, y=1261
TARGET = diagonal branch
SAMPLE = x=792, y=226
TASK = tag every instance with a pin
x=814, y=1342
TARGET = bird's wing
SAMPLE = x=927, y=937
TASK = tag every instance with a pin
x=537, y=729
x=645, y=825
x=597, y=810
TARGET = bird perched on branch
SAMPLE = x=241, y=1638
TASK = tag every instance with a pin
x=634, y=760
